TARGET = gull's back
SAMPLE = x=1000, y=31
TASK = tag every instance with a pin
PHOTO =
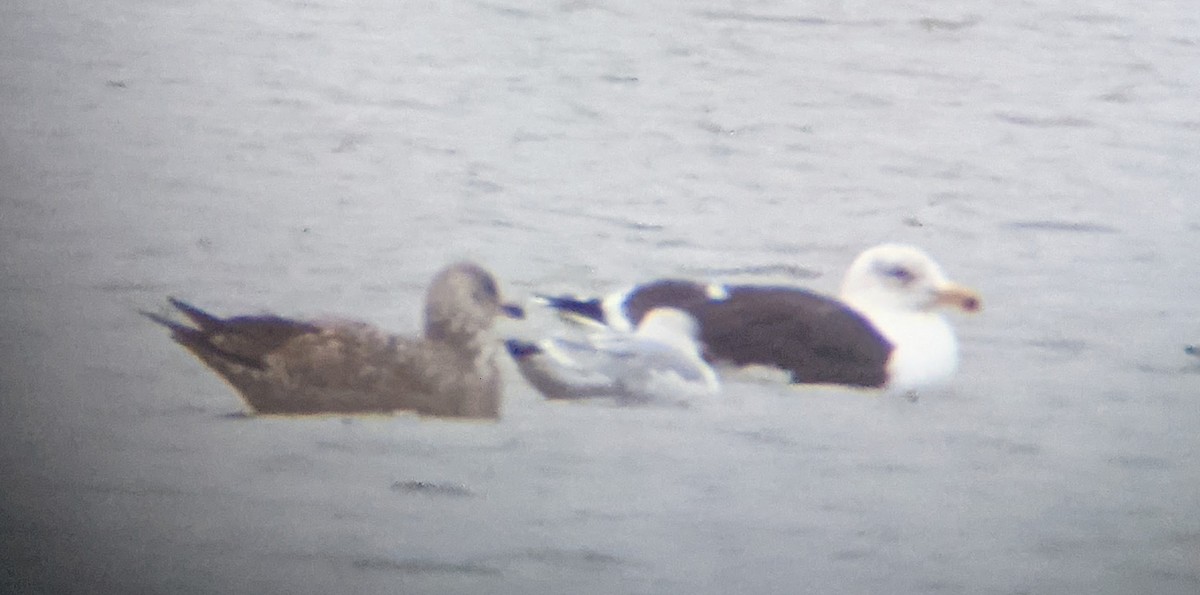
x=633, y=368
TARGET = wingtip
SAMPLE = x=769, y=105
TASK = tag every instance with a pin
x=199, y=317
x=158, y=318
x=179, y=331
x=180, y=304
x=519, y=349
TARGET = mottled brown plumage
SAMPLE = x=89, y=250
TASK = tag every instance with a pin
x=284, y=366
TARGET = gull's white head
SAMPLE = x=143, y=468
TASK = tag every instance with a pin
x=678, y=329
x=897, y=277
x=672, y=326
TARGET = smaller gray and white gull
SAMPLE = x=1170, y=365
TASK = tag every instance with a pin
x=659, y=363
x=283, y=366
x=885, y=330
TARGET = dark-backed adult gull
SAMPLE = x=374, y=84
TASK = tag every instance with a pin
x=660, y=362
x=284, y=366
x=885, y=331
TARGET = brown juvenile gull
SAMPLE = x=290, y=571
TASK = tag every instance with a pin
x=284, y=366
x=884, y=331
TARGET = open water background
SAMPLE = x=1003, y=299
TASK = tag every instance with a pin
x=322, y=157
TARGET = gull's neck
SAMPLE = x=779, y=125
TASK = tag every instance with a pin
x=669, y=336
x=925, y=350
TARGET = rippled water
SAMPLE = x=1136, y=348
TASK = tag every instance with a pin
x=323, y=157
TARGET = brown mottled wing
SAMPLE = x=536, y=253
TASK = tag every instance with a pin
x=818, y=339
x=355, y=367
x=244, y=340
x=351, y=367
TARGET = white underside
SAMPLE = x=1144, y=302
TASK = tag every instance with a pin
x=668, y=387
x=630, y=369
x=754, y=373
x=925, y=353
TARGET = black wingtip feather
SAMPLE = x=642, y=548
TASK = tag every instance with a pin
x=163, y=320
x=198, y=339
x=521, y=349
x=182, y=333
x=203, y=319
x=591, y=309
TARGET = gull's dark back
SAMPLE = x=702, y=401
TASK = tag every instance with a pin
x=804, y=333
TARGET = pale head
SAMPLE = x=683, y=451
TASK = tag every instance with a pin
x=898, y=277
x=462, y=302
x=672, y=326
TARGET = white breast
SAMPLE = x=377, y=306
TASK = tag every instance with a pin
x=925, y=353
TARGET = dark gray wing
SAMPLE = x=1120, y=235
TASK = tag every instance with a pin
x=816, y=338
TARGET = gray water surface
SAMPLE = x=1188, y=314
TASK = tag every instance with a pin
x=314, y=158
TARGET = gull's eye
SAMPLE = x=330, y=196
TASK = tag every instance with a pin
x=899, y=273
x=486, y=291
